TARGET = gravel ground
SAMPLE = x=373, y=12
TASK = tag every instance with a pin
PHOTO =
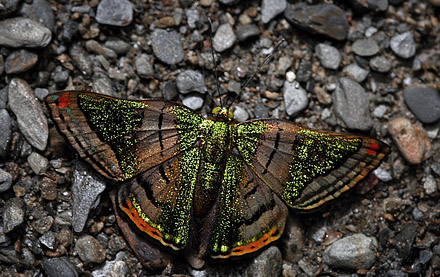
x=361, y=68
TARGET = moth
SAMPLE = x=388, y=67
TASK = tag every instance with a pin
x=209, y=187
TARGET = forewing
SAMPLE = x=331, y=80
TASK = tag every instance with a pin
x=249, y=215
x=121, y=138
x=306, y=167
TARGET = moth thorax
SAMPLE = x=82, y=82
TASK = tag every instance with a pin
x=222, y=113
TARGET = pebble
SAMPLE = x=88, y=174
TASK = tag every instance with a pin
x=284, y=63
x=89, y=250
x=61, y=266
x=61, y=77
x=23, y=32
x=383, y=175
x=30, y=117
x=268, y=263
x=70, y=29
x=40, y=11
x=167, y=46
x=49, y=240
x=245, y=32
x=411, y=139
x=169, y=90
x=64, y=218
x=41, y=93
x=117, y=267
x=295, y=98
x=403, y=45
x=373, y=5
x=118, y=45
x=224, y=38
x=20, y=61
x=191, y=81
x=115, y=12
x=240, y=114
x=365, y=47
x=424, y=102
x=380, y=64
x=81, y=59
x=38, y=163
x=430, y=185
x=405, y=238
x=192, y=18
x=325, y=19
x=271, y=8
x=193, y=102
x=5, y=180
x=95, y=47
x=328, y=55
x=290, y=76
x=304, y=71
x=43, y=225
x=292, y=242
x=5, y=134
x=13, y=213
x=144, y=66
x=351, y=104
x=358, y=73
x=353, y=252
x=86, y=189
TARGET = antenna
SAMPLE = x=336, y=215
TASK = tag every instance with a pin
x=256, y=71
x=215, y=61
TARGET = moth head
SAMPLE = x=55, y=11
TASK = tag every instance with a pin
x=223, y=113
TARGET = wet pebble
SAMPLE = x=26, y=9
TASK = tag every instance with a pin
x=5, y=134
x=193, y=102
x=292, y=242
x=89, y=250
x=403, y=45
x=144, y=66
x=61, y=266
x=167, y=46
x=268, y=263
x=424, y=102
x=5, y=180
x=81, y=59
x=49, y=240
x=328, y=55
x=405, y=238
x=247, y=31
x=240, y=114
x=224, y=38
x=380, y=64
x=38, y=163
x=20, y=61
x=325, y=19
x=40, y=11
x=13, y=214
x=365, y=47
x=43, y=225
x=271, y=8
x=191, y=81
x=86, y=189
x=30, y=117
x=411, y=139
x=353, y=252
x=295, y=98
x=115, y=12
x=23, y=32
x=351, y=104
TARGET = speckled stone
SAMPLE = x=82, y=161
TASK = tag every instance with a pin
x=23, y=32
x=89, y=250
x=224, y=38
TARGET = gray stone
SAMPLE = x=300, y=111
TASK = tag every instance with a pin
x=38, y=163
x=352, y=105
x=403, y=45
x=8, y=7
x=144, y=66
x=5, y=134
x=61, y=266
x=41, y=93
x=356, y=72
x=86, y=189
x=383, y=175
x=365, y=47
x=20, y=61
x=2, y=65
x=5, y=180
x=380, y=111
x=81, y=59
x=292, y=241
x=430, y=185
x=380, y=64
x=424, y=102
x=268, y=263
x=118, y=45
x=295, y=98
x=30, y=117
x=13, y=214
x=49, y=240
x=169, y=90
x=23, y=32
x=271, y=8
x=246, y=31
x=115, y=12
x=304, y=71
x=193, y=18
x=60, y=78
x=353, y=252
x=224, y=38
x=89, y=250
x=328, y=55
x=167, y=46
x=284, y=63
x=191, y=81
x=39, y=11
x=193, y=102
x=240, y=114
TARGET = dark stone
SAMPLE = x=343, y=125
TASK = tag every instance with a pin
x=247, y=31
x=424, y=102
x=20, y=61
x=405, y=239
x=62, y=266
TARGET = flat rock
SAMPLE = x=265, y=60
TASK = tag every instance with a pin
x=23, y=32
x=424, y=102
x=167, y=46
x=38, y=163
x=30, y=117
x=356, y=72
x=365, y=47
x=115, y=12
x=81, y=59
x=60, y=266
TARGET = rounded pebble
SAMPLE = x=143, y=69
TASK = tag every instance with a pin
x=380, y=64
x=224, y=38
x=268, y=263
x=424, y=102
x=403, y=45
x=191, y=81
x=328, y=55
x=167, y=46
x=356, y=72
x=193, y=102
x=365, y=47
x=23, y=32
x=90, y=250
x=115, y=12
x=61, y=266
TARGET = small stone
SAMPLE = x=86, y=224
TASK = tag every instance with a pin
x=193, y=18
x=61, y=266
x=60, y=78
x=166, y=22
x=38, y=163
x=405, y=238
x=23, y=32
x=295, y=98
x=191, y=81
x=167, y=46
x=365, y=47
x=39, y=11
x=193, y=102
x=271, y=8
x=328, y=55
x=115, y=12
x=424, y=102
x=411, y=140
x=81, y=59
x=144, y=66
x=380, y=64
x=43, y=225
x=234, y=86
x=417, y=214
x=30, y=117
x=292, y=242
x=284, y=63
x=372, y=5
x=268, y=263
x=351, y=104
x=5, y=180
x=380, y=111
x=5, y=134
x=169, y=90
x=430, y=185
x=290, y=76
x=64, y=218
x=383, y=174
x=304, y=71
x=246, y=31
x=403, y=45
x=240, y=114
x=118, y=45
x=49, y=240
x=41, y=93
x=425, y=256
x=353, y=252
x=89, y=250
x=13, y=214
x=224, y=38
x=20, y=61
